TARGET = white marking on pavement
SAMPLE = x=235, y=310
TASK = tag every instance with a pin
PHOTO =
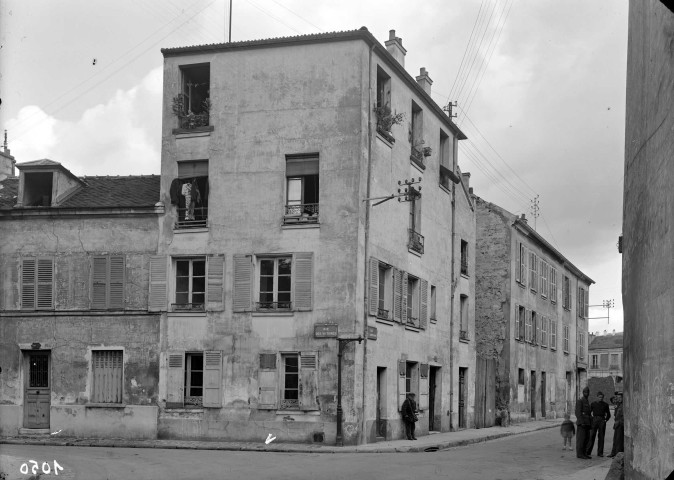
x=269, y=439
x=55, y=433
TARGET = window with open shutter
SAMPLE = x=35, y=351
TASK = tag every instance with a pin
x=267, y=382
x=107, y=286
x=402, y=383
x=107, y=376
x=213, y=379
x=303, y=279
x=423, y=387
x=243, y=283
x=157, y=301
x=309, y=381
x=404, y=297
x=536, y=320
x=175, y=380
x=374, y=286
x=215, y=283
x=423, y=309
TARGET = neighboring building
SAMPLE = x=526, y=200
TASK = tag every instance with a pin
x=285, y=148
x=606, y=355
x=530, y=317
x=78, y=348
x=648, y=243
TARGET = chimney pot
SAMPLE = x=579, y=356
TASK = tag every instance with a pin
x=424, y=80
x=394, y=46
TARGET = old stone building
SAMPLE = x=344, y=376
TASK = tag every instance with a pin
x=79, y=351
x=530, y=317
x=606, y=355
x=648, y=243
x=289, y=221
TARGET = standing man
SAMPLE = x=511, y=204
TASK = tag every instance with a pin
x=409, y=416
x=601, y=414
x=618, y=427
x=583, y=413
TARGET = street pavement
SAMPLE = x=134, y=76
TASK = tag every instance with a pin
x=530, y=450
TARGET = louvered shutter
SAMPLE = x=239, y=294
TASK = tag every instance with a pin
x=586, y=306
x=518, y=270
x=402, y=393
x=215, y=288
x=423, y=387
x=517, y=322
x=374, y=286
x=403, y=298
x=266, y=380
x=213, y=379
x=99, y=273
x=527, y=326
x=116, y=295
x=553, y=334
x=544, y=332
x=28, y=266
x=175, y=380
x=243, y=283
x=303, y=277
x=397, y=295
x=157, y=301
x=309, y=381
x=579, y=302
x=525, y=265
x=423, y=308
x=537, y=329
x=45, y=283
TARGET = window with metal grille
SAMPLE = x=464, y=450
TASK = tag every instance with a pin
x=385, y=291
x=108, y=378
x=37, y=284
x=107, y=289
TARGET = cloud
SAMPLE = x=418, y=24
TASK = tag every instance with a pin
x=121, y=136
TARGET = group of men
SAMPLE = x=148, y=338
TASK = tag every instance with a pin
x=591, y=421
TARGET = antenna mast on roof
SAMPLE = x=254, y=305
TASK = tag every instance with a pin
x=230, y=21
x=535, y=208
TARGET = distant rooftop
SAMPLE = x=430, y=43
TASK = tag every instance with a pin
x=607, y=341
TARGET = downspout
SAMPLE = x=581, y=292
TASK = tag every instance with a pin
x=366, y=253
x=451, y=305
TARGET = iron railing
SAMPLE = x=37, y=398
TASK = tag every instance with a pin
x=196, y=217
x=413, y=321
x=187, y=307
x=416, y=241
x=194, y=401
x=301, y=213
x=463, y=334
x=272, y=306
x=382, y=313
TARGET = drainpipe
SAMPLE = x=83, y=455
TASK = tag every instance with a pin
x=451, y=306
x=366, y=252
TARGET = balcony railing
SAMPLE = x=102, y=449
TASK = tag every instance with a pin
x=414, y=322
x=187, y=307
x=272, y=306
x=382, y=313
x=301, y=213
x=416, y=241
x=463, y=334
x=192, y=218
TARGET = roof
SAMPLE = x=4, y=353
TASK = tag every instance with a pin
x=607, y=341
x=45, y=164
x=360, y=34
x=98, y=192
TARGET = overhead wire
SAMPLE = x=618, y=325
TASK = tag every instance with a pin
x=298, y=16
x=465, y=51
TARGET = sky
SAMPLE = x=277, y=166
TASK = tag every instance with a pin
x=539, y=86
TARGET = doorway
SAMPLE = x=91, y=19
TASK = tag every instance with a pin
x=380, y=424
x=567, y=394
x=462, y=397
x=433, y=379
x=37, y=389
x=532, y=393
x=543, y=394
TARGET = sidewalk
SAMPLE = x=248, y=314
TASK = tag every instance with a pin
x=432, y=442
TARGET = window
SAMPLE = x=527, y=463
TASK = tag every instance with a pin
x=528, y=327
x=434, y=317
x=615, y=361
x=412, y=378
x=553, y=284
x=581, y=345
x=533, y=272
x=107, y=278
x=581, y=302
x=412, y=300
x=544, y=279
x=520, y=323
x=416, y=240
x=553, y=334
x=544, y=332
x=416, y=136
x=107, y=376
x=192, y=106
x=463, y=332
x=37, y=189
x=464, y=257
x=37, y=283
x=520, y=376
x=594, y=361
x=381, y=289
x=522, y=269
x=383, y=88
x=446, y=159
x=194, y=379
x=275, y=283
x=301, y=189
x=566, y=300
x=296, y=385
x=603, y=360
x=290, y=389
x=190, y=284
x=189, y=193
x=536, y=321
x=566, y=339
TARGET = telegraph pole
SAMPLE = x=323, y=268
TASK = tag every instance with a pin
x=535, y=209
x=608, y=305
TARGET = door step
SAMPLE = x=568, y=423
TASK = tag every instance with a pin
x=34, y=432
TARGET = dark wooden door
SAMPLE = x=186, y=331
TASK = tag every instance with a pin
x=431, y=400
x=485, y=392
x=37, y=398
x=532, y=394
x=543, y=394
x=381, y=383
x=462, y=398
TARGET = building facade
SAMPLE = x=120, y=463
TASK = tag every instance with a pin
x=531, y=317
x=648, y=243
x=78, y=348
x=304, y=206
x=606, y=355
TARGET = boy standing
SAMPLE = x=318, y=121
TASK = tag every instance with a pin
x=568, y=430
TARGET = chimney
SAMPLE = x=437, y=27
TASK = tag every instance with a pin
x=524, y=218
x=465, y=177
x=424, y=80
x=394, y=45
x=7, y=162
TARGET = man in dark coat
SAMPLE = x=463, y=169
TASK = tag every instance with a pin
x=618, y=427
x=583, y=416
x=601, y=413
x=409, y=415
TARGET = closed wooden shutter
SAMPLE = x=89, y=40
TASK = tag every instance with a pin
x=215, y=288
x=423, y=387
x=553, y=334
x=157, y=301
x=28, y=277
x=213, y=379
x=175, y=380
x=544, y=332
x=308, y=381
x=537, y=329
x=397, y=295
x=116, y=295
x=403, y=298
x=586, y=305
x=243, y=283
x=267, y=382
x=402, y=368
x=517, y=322
x=423, y=309
x=45, y=283
x=99, y=273
x=303, y=276
x=108, y=369
x=374, y=286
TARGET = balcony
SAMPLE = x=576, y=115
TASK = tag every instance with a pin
x=187, y=307
x=196, y=217
x=382, y=313
x=301, y=213
x=463, y=335
x=416, y=241
x=273, y=306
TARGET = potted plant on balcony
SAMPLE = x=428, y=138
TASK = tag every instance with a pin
x=427, y=151
x=187, y=118
x=386, y=119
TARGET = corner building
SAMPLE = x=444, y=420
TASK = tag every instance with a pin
x=279, y=160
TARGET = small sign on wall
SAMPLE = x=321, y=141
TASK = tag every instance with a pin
x=371, y=333
x=326, y=330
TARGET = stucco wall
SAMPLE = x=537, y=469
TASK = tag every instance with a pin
x=648, y=243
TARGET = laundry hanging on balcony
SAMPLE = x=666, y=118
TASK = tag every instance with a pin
x=190, y=195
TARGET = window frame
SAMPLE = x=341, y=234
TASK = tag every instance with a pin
x=385, y=294
x=413, y=294
x=566, y=339
x=433, y=310
x=566, y=293
x=553, y=284
x=553, y=334
x=544, y=278
x=289, y=403
x=464, y=258
x=39, y=284
x=276, y=304
x=301, y=210
x=533, y=271
x=187, y=74
x=195, y=401
x=190, y=305
x=113, y=283
x=463, y=317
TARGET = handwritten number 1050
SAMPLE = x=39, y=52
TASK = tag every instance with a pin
x=46, y=468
